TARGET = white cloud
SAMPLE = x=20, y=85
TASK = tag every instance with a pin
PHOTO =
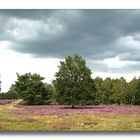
x=25, y=29
x=116, y=62
x=12, y=62
x=130, y=42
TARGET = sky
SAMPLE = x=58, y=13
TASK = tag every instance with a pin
x=37, y=40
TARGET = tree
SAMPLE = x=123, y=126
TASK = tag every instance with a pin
x=137, y=94
x=106, y=91
x=51, y=93
x=12, y=94
x=133, y=92
x=73, y=84
x=31, y=89
x=98, y=83
x=119, y=91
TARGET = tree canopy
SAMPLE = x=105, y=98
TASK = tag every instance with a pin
x=74, y=85
x=31, y=88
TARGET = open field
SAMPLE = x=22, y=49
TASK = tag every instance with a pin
x=54, y=118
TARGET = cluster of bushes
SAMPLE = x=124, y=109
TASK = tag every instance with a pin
x=74, y=86
x=11, y=94
x=8, y=95
x=111, y=91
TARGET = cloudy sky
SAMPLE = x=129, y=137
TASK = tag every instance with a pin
x=36, y=40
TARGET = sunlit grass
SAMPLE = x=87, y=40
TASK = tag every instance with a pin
x=87, y=122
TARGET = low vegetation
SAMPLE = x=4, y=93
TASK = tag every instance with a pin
x=97, y=118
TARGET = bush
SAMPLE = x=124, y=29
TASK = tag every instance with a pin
x=31, y=89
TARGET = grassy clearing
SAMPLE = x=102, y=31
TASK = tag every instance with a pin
x=87, y=122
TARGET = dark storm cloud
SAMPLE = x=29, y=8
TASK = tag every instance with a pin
x=26, y=13
x=94, y=34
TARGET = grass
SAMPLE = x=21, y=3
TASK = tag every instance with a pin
x=87, y=122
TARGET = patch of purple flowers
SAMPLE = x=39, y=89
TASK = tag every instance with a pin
x=66, y=110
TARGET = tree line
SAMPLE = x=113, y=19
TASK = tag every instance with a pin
x=74, y=86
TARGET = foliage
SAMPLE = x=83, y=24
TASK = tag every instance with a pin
x=31, y=89
x=51, y=93
x=98, y=83
x=74, y=85
x=119, y=91
x=106, y=90
x=136, y=94
x=11, y=94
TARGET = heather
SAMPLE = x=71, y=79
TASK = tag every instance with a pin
x=66, y=110
x=15, y=117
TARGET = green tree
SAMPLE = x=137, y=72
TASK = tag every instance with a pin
x=106, y=91
x=133, y=91
x=31, y=89
x=73, y=84
x=51, y=93
x=12, y=94
x=137, y=94
x=119, y=91
x=98, y=83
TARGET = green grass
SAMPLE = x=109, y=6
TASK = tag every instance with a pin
x=87, y=122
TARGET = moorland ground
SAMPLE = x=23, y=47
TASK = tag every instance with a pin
x=14, y=116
